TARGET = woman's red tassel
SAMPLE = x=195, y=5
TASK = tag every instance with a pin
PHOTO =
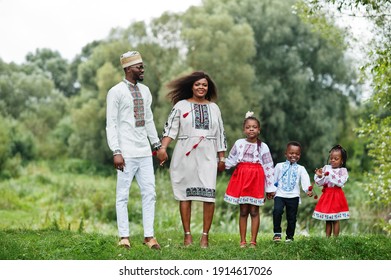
x=186, y=114
x=195, y=145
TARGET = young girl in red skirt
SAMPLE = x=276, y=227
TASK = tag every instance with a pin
x=332, y=205
x=253, y=174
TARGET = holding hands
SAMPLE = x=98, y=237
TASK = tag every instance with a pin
x=310, y=192
x=270, y=195
x=162, y=155
x=221, y=166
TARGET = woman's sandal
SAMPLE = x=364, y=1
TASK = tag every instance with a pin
x=188, y=240
x=243, y=244
x=253, y=244
x=204, y=240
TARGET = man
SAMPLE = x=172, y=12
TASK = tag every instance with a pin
x=129, y=125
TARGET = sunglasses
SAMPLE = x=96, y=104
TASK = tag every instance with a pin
x=140, y=67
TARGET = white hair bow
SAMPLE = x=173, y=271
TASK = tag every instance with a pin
x=249, y=114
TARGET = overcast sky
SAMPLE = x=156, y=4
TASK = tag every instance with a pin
x=68, y=25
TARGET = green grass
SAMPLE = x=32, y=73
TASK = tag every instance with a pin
x=70, y=245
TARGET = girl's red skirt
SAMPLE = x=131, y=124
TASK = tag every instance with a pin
x=332, y=205
x=247, y=185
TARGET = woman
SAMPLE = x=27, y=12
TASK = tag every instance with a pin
x=195, y=121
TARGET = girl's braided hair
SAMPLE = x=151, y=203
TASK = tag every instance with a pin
x=343, y=153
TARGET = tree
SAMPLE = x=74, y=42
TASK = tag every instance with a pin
x=30, y=101
x=54, y=67
x=5, y=142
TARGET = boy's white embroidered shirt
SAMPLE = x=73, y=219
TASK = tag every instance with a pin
x=289, y=177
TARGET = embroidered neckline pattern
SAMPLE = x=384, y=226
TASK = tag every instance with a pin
x=201, y=116
x=289, y=180
x=138, y=104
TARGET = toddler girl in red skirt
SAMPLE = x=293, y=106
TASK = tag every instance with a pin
x=332, y=205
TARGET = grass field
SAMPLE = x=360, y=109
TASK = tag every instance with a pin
x=70, y=245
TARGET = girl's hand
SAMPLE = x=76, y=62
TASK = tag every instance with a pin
x=221, y=166
x=319, y=172
x=310, y=193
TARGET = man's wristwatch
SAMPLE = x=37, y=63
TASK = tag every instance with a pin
x=117, y=152
x=156, y=146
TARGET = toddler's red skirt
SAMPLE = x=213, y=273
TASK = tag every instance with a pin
x=332, y=205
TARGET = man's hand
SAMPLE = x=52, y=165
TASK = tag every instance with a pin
x=119, y=162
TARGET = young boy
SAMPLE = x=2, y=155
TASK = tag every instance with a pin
x=287, y=177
